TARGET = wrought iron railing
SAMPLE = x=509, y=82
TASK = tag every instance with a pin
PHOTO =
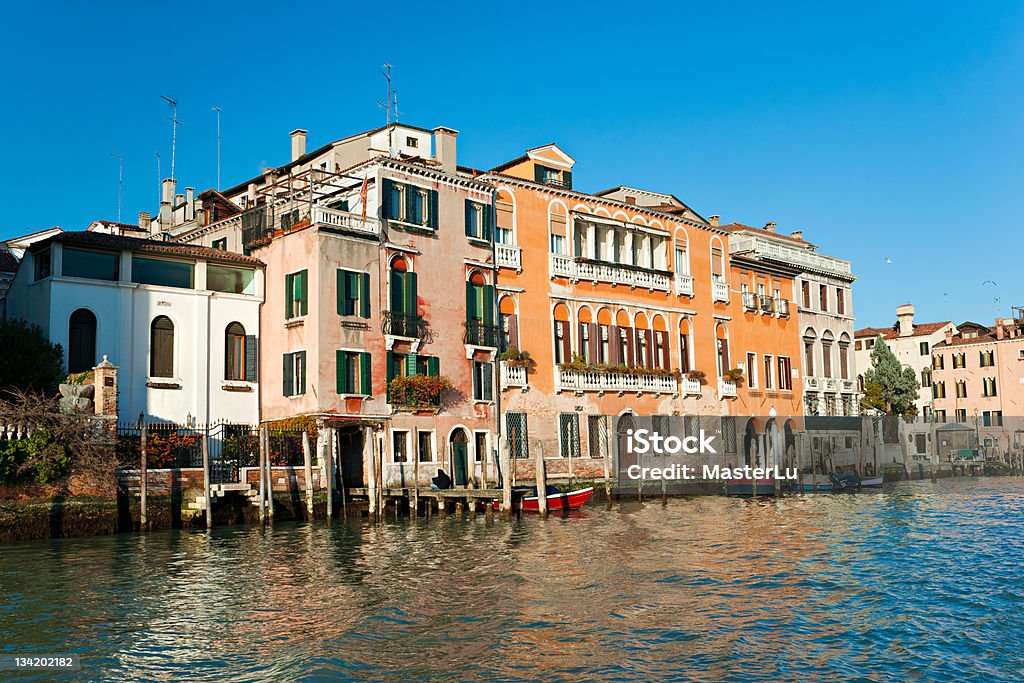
x=479, y=333
x=399, y=324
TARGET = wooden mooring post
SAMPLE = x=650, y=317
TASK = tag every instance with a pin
x=542, y=480
x=307, y=471
x=270, y=482
x=143, y=477
x=504, y=455
x=206, y=481
x=262, y=467
x=371, y=488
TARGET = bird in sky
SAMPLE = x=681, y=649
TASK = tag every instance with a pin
x=888, y=260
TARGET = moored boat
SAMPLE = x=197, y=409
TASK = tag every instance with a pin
x=807, y=482
x=557, y=500
x=871, y=482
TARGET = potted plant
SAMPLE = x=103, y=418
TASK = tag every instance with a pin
x=696, y=376
x=516, y=358
x=418, y=391
x=735, y=375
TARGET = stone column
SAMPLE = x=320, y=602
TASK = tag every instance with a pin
x=105, y=402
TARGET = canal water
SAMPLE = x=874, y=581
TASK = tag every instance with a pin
x=919, y=581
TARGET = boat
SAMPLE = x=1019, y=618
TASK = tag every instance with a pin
x=751, y=487
x=557, y=499
x=871, y=482
x=807, y=481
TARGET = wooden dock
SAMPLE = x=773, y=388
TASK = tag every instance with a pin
x=427, y=501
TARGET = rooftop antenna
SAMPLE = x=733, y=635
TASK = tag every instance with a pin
x=388, y=104
x=174, y=128
x=396, y=106
x=217, y=109
x=159, y=179
x=120, y=181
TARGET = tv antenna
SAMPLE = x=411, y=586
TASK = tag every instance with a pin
x=174, y=128
x=120, y=181
x=217, y=109
x=159, y=179
x=391, y=102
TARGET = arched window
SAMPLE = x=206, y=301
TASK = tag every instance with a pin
x=722, y=349
x=161, y=347
x=403, y=317
x=234, y=352
x=81, y=341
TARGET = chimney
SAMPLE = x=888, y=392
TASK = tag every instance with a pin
x=444, y=148
x=905, y=319
x=949, y=335
x=167, y=196
x=1000, y=330
x=797, y=234
x=770, y=226
x=145, y=220
x=298, y=143
x=713, y=220
x=190, y=203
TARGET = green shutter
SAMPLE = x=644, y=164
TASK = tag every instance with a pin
x=288, y=295
x=410, y=204
x=487, y=312
x=303, y=293
x=397, y=291
x=386, y=208
x=364, y=295
x=251, y=357
x=365, y=386
x=410, y=364
x=433, y=366
x=471, y=310
x=488, y=375
x=432, y=197
x=469, y=219
x=539, y=173
x=391, y=365
x=300, y=381
x=341, y=372
x=567, y=179
x=485, y=215
x=288, y=380
x=410, y=294
x=342, y=291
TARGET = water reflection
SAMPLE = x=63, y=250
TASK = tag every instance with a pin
x=919, y=581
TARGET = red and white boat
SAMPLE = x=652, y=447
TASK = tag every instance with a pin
x=557, y=500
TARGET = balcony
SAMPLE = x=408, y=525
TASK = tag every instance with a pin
x=343, y=220
x=576, y=269
x=479, y=333
x=767, y=304
x=509, y=256
x=690, y=387
x=782, y=308
x=726, y=389
x=749, y=301
x=790, y=255
x=513, y=375
x=596, y=380
x=684, y=285
x=848, y=385
x=409, y=325
x=719, y=291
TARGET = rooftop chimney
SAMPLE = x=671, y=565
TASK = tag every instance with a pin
x=167, y=194
x=797, y=234
x=713, y=220
x=145, y=220
x=190, y=203
x=1000, y=330
x=770, y=226
x=298, y=143
x=949, y=335
x=444, y=148
x=905, y=319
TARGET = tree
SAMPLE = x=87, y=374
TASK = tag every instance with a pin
x=29, y=361
x=888, y=386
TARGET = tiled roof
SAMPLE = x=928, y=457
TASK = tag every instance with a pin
x=962, y=341
x=104, y=241
x=920, y=330
x=8, y=264
x=735, y=227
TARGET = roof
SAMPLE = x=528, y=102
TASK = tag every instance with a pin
x=959, y=340
x=737, y=227
x=103, y=240
x=920, y=330
x=8, y=263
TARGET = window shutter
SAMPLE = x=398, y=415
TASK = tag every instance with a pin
x=365, y=386
x=649, y=334
x=566, y=342
x=485, y=215
x=303, y=292
x=433, y=366
x=391, y=365
x=487, y=314
x=342, y=290
x=488, y=375
x=364, y=295
x=386, y=208
x=567, y=179
x=410, y=294
x=539, y=173
x=469, y=219
x=592, y=342
x=289, y=295
x=513, y=330
x=410, y=364
x=432, y=196
x=397, y=291
x=471, y=309
x=251, y=357
x=613, y=346
x=341, y=372
x=288, y=380
x=301, y=379
x=410, y=204
x=477, y=389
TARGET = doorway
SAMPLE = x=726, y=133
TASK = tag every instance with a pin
x=460, y=457
x=350, y=456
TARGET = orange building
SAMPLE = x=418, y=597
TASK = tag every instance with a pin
x=628, y=305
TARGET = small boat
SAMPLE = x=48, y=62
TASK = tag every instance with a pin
x=751, y=487
x=806, y=484
x=557, y=499
x=871, y=482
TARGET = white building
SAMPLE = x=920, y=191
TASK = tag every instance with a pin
x=179, y=321
x=911, y=344
x=824, y=303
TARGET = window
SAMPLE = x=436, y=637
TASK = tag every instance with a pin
x=597, y=435
x=844, y=361
x=41, y=264
x=938, y=390
x=95, y=265
x=404, y=298
x=585, y=341
x=840, y=301
x=938, y=362
x=961, y=389
x=805, y=290
x=480, y=446
x=230, y=280
x=684, y=353
x=785, y=374
x=161, y=347
x=561, y=341
x=295, y=287
x=480, y=312
x=518, y=435
x=81, y=341
x=823, y=297
x=961, y=415
x=920, y=443
x=221, y=244
x=924, y=348
x=151, y=271
x=478, y=221
x=959, y=360
x=940, y=415
x=352, y=374
x=604, y=336
x=353, y=293
x=857, y=346
x=752, y=371
x=682, y=262
x=400, y=445
x=409, y=204
x=987, y=359
x=826, y=359
x=411, y=142
x=483, y=381
x=239, y=354
x=769, y=370
x=988, y=386
x=557, y=244
x=808, y=357
x=926, y=378
x=425, y=446
x=569, y=434
x=552, y=176
x=294, y=373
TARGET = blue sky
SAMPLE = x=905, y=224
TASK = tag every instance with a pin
x=884, y=131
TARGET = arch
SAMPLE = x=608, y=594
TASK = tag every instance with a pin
x=809, y=333
x=827, y=336
x=681, y=251
x=604, y=317
x=399, y=263
x=81, y=341
x=638, y=220
x=622, y=318
x=585, y=316
x=751, y=445
x=658, y=323
x=477, y=278
x=601, y=211
x=582, y=208
x=561, y=312
x=624, y=426
x=507, y=305
x=844, y=338
x=640, y=321
x=506, y=195
x=717, y=257
x=234, y=352
x=655, y=223
x=161, y=347
x=559, y=228
x=458, y=445
x=621, y=216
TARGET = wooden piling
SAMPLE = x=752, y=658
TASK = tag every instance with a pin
x=206, y=481
x=270, y=482
x=506, y=480
x=307, y=471
x=327, y=434
x=371, y=470
x=263, y=480
x=143, y=478
x=540, y=475
x=607, y=470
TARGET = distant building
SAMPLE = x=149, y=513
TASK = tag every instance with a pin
x=181, y=322
x=911, y=343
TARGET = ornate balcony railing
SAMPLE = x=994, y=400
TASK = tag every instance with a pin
x=479, y=333
x=512, y=375
x=792, y=255
x=567, y=266
x=749, y=301
x=767, y=304
x=684, y=284
x=409, y=325
x=509, y=256
x=726, y=389
x=719, y=290
x=614, y=381
x=690, y=387
x=782, y=308
x=344, y=220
